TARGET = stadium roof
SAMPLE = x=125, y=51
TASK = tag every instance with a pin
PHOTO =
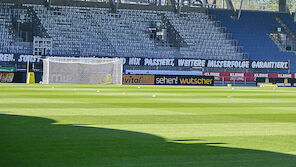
x=159, y=4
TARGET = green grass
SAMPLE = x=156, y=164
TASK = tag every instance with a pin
x=75, y=125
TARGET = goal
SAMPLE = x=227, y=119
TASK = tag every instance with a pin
x=68, y=70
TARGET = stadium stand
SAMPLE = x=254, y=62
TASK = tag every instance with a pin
x=204, y=37
x=252, y=30
x=125, y=33
x=12, y=40
x=140, y=31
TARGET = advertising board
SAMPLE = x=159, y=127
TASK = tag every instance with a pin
x=6, y=77
x=237, y=76
x=184, y=80
x=281, y=82
x=138, y=79
x=167, y=80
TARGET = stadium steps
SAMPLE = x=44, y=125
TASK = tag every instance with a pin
x=175, y=38
x=229, y=36
x=205, y=37
x=275, y=39
x=288, y=31
x=38, y=29
x=11, y=40
x=252, y=32
x=279, y=20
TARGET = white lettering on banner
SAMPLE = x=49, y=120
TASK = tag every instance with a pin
x=6, y=57
x=123, y=60
x=191, y=63
x=167, y=80
x=159, y=62
x=275, y=65
x=285, y=75
x=108, y=58
x=32, y=59
x=237, y=74
x=228, y=64
x=134, y=61
x=210, y=63
x=215, y=74
x=261, y=75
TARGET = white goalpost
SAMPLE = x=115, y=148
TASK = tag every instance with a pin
x=68, y=70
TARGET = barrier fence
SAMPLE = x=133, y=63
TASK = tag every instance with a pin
x=236, y=79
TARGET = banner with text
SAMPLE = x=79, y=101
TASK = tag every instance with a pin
x=243, y=64
x=237, y=76
x=184, y=80
x=173, y=62
x=137, y=79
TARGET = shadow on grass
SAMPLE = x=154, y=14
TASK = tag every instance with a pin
x=35, y=141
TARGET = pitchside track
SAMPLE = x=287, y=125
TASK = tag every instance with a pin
x=91, y=125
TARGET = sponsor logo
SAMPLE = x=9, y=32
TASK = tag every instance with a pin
x=216, y=74
x=138, y=80
x=237, y=74
x=10, y=77
x=196, y=81
x=285, y=75
x=261, y=75
x=166, y=80
x=284, y=84
x=184, y=80
x=6, y=77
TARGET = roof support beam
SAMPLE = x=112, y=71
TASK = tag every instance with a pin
x=174, y=4
x=230, y=6
x=240, y=9
x=283, y=6
x=47, y=3
x=180, y=6
x=205, y=3
x=294, y=16
x=113, y=5
x=177, y=5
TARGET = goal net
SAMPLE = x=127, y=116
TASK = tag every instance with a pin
x=65, y=70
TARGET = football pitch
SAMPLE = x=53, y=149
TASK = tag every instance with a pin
x=146, y=126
